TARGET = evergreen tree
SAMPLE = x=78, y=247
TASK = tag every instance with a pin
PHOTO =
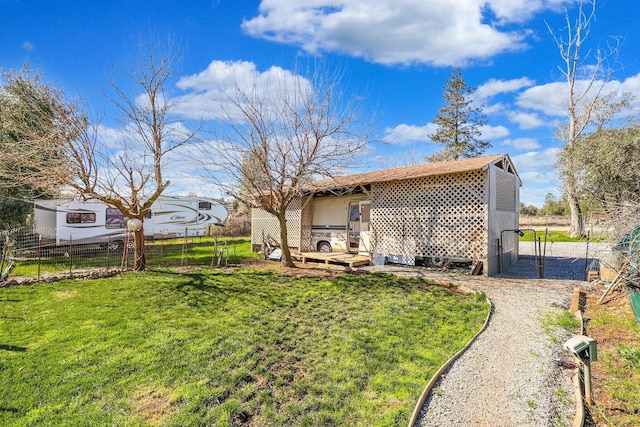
x=459, y=122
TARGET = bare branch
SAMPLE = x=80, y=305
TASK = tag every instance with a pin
x=278, y=138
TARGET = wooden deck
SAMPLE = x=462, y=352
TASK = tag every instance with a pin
x=352, y=260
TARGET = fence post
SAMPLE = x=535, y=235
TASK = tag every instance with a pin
x=215, y=250
x=5, y=249
x=183, y=261
x=39, y=254
x=540, y=265
x=70, y=256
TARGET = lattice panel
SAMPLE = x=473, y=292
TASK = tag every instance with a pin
x=264, y=222
x=305, y=232
x=439, y=216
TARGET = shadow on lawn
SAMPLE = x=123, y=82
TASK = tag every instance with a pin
x=17, y=349
x=209, y=291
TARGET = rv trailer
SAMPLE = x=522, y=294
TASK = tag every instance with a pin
x=341, y=224
x=70, y=221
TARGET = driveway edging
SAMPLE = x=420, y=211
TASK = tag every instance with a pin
x=436, y=377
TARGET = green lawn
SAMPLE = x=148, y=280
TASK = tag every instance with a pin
x=160, y=253
x=219, y=348
x=559, y=236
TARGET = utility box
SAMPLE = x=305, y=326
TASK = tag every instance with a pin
x=583, y=346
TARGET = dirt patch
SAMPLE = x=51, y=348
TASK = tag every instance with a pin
x=65, y=294
x=154, y=405
x=608, y=323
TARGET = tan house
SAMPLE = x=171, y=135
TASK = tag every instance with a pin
x=432, y=214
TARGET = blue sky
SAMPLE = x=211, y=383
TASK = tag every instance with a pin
x=394, y=56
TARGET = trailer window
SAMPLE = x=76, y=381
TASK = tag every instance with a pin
x=115, y=219
x=204, y=206
x=81, y=217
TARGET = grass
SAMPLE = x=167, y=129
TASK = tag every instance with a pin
x=174, y=252
x=617, y=370
x=556, y=324
x=211, y=347
x=559, y=236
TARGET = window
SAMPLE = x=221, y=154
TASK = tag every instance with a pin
x=81, y=217
x=365, y=212
x=354, y=213
x=115, y=219
x=204, y=206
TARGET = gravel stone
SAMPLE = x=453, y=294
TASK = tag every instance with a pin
x=507, y=376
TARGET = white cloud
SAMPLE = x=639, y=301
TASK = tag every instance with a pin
x=437, y=32
x=210, y=94
x=522, y=144
x=495, y=87
x=551, y=98
x=515, y=11
x=536, y=194
x=536, y=161
x=493, y=132
x=526, y=120
x=405, y=134
x=547, y=98
x=538, y=175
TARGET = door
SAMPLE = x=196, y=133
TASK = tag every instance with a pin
x=359, y=220
x=364, y=247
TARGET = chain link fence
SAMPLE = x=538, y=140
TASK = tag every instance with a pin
x=548, y=258
x=25, y=253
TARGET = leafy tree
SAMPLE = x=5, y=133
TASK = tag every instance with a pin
x=459, y=122
x=528, y=209
x=553, y=206
x=610, y=166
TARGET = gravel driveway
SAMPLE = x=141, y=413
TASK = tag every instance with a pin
x=507, y=376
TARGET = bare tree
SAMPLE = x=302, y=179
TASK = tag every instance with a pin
x=126, y=171
x=279, y=137
x=584, y=97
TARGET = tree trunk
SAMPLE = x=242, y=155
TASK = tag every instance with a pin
x=140, y=259
x=576, y=228
x=284, y=242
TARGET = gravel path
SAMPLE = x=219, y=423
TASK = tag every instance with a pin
x=507, y=376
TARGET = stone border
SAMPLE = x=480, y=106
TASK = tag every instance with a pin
x=436, y=377
x=50, y=278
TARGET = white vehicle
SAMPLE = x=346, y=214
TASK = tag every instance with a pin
x=69, y=221
x=341, y=224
